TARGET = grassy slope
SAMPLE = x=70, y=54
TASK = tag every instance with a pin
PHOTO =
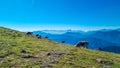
x=61, y=55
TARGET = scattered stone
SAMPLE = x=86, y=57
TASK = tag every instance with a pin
x=27, y=56
x=98, y=60
x=52, y=61
x=67, y=62
x=47, y=66
x=104, y=62
x=1, y=62
x=70, y=63
x=60, y=54
x=2, y=56
x=48, y=54
x=9, y=53
x=57, y=55
x=23, y=51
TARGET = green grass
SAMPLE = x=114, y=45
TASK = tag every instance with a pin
x=61, y=55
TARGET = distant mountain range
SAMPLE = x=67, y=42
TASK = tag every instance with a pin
x=105, y=38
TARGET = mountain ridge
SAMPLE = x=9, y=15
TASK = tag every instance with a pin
x=104, y=37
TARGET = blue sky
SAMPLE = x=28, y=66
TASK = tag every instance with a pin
x=28, y=15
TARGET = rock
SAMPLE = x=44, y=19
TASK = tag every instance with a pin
x=52, y=61
x=48, y=54
x=1, y=62
x=98, y=60
x=104, y=62
x=57, y=55
x=9, y=53
x=47, y=66
x=23, y=51
x=27, y=56
x=2, y=56
x=70, y=63
x=60, y=54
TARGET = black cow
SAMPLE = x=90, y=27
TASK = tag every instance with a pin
x=46, y=37
x=29, y=33
x=63, y=41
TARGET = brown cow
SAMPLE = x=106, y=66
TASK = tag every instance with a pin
x=38, y=36
x=82, y=44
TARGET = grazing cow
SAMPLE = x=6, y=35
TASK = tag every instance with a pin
x=99, y=48
x=63, y=41
x=38, y=36
x=82, y=44
x=46, y=37
x=29, y=33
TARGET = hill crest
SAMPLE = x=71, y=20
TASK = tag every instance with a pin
x=19, y=50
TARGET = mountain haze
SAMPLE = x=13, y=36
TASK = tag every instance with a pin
x=97, y=39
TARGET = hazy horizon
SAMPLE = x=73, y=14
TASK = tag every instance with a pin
x=85, y=29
